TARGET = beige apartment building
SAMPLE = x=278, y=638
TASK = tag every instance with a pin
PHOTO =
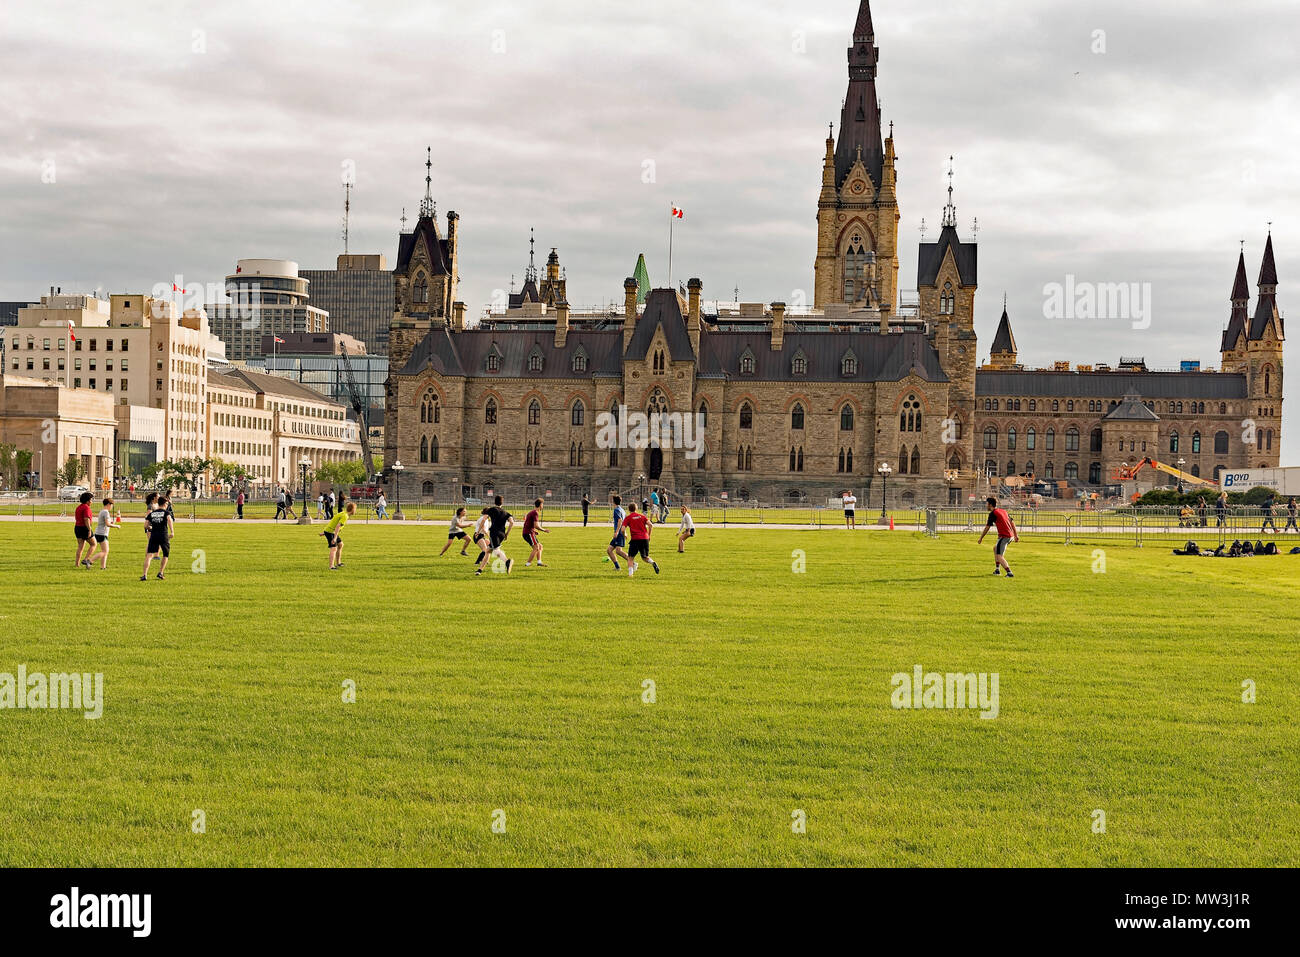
x=57, y=423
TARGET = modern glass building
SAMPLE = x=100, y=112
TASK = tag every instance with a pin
x=358, y=296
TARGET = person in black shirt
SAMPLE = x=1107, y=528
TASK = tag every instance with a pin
x=586, y=509
x=1268, y=516
x=159, y=525
x=499, y=530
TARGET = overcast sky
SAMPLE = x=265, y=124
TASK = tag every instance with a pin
x=145, y=140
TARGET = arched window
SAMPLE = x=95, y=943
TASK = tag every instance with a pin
x=535, y=362
x=433, y=450
x=1220, y=443
x=487, y=455
x=746, y=416
x=990, y=468
x=494, y=363
x=749, y=458
x=947, y=301
x=582, y=455
x=1196, y=471
x=855, y=263
x=494, y=453
x=1072, y=440
x=848, y=461
x=909, y=420
x=903, y=460
x=796, y=418
x=846, y=418
x=613, y=458
x=954, y=463
x=1094, y=473
x=1049, y=440
x=849, y=366
x=1072, y=471
x=1096, y=440
x=573, y=453
x=1196, y=443
x=1011, y=439
x=1031, y=439
x=990, y=438
x=1029, y=467
x=1069, y=406
x=421, y=290
x=579, y=413
x=1173, y=441
x=424, y=450
x=747, y=365
x=534, y=413
x=613, y=412
x=490, y=412
x=580, y=362
x=1056, y=405
x=799, y=366
x=1223, y=408
x=840, y=466
x=704, y=414
x=916, y=461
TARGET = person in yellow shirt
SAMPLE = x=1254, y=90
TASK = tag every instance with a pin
x=334, y=534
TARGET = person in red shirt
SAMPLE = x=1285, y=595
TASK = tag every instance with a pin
x=1006, y=535
x=83, y=518
x=639, y=529
x=533, y=525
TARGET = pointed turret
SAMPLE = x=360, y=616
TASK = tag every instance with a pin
x=1003, y=354
x=1268, y=269
x=1266, y=313
x=642, y=276
x=860, y=119
x=1240, y=315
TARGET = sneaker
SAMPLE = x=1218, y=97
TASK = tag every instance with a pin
x=540, y=565
x=655, y=566
x=1009, y=575
x=144, y=578
x=997, y=571
x=161, y=578
x=617, y=567
x=510, y=563
x=479, y=573
x=530, y=565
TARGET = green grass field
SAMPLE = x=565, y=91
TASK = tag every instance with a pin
x=223, y=692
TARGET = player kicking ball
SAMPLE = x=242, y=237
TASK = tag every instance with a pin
x=639, y=528
x=1007, y=534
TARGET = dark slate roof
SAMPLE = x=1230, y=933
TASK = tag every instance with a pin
x=426, y=233
x=528, y=294
x=860, y=119
x=1241, y=285
x=278, y=385
x=465, y=353
x=881, y=358
x=1268, y=269
x=1107, y=385
x=1132, y=410
x=1004, y=341
x=1236, y=328
x=966, y=256
x=662, y=309
x=864, y=30
x=1263, y=315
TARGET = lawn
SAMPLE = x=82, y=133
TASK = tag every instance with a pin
x=223, y=693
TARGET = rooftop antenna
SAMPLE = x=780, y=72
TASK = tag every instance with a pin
x=427, y=206
x=347, y=211
x=923, y=228
x=975, y=227
x=403, y=219
x=532, y=262
x=950, y=211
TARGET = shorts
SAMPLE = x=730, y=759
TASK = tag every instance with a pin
x=82, y=533
x=479, y=538
x=496, y=540
x=1002, y=546
x=531, y=539
x=332, y=540
x=640, y=546
x=160, y=546
x=849, y=513
x=689, y=533
x=620, y=541
x=101, y=539
x=456, y=535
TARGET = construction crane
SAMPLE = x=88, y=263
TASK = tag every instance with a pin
x=1130, y=473
x=359, y=407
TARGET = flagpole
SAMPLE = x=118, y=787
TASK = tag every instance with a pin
x=671, y=216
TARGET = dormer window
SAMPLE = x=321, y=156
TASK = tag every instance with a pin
x=849, y=365
x=747, y=363
x=660, y=364
x=580, y=361
x=421, y=296
x=800, y=365
x=535, y=361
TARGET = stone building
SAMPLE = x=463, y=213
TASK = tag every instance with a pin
x=792, y=403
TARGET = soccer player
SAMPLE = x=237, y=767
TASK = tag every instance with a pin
x=456, y=532
x=1006, y=535
x=334, y=534
x=686, y=531
x=532, y=526
x=639, y=527
x=102, y=524
x=850, y=510
x=500, y=522
x=82, y=530
x=615, y=549
x=158, y=523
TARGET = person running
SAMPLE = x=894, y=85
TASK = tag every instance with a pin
x=82, y=519
x=1269, y=504
x=456, y=533
x=158, y=524
x=532, y=528
x=500, y=522
x=586, y=509
x=1291, y=516
x=850, y=509
x=615, y=549
x=334, y=534
x=686, y=531
x=640, y=528
x=1007, y=534
x=102, y=524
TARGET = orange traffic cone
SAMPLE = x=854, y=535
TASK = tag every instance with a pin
x=891, y=523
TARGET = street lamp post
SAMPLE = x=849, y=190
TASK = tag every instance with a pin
x=398, y=469
x=885, y=471
x=304, y=465
x=1181, y=464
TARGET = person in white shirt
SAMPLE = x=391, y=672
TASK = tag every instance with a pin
x=320, y=507
x=850, y=510
x=685, y=531
x=102, y=524
x=483, y=537
x=456, y=532
x=381, y=507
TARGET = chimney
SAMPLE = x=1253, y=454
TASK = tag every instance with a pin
x=629, y=311
x=778, y=326
x=561, y=323
x=693, y=289
x=457, y=317
x=884, y=318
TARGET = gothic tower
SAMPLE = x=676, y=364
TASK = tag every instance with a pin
x=857, y=211
x=1264, y=341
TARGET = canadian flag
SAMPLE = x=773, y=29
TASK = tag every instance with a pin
x=71, y=331
x=176, y=288
x=679, y=213
x=278, y=341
